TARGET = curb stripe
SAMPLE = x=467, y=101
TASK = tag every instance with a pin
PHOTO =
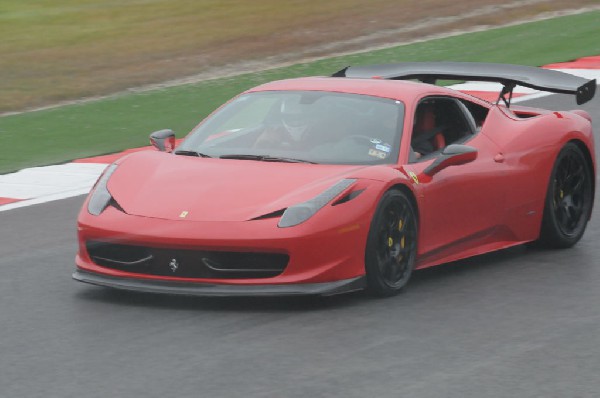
x=581, y=63
x=5, y=201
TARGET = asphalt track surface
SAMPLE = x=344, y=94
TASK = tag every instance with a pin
x=517, y=323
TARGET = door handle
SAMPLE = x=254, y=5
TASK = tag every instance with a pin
x=499, y=158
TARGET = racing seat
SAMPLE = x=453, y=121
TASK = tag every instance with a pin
x=427, y=137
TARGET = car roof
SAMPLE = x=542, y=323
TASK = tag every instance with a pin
x=402, y=90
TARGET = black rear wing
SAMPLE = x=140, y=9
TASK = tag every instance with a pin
x=508, y=75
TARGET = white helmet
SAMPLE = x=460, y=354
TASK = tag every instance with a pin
x=294, y=117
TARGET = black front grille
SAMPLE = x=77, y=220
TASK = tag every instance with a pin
x=186, y=263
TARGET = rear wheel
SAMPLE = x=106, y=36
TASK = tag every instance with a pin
x=391, y=245
x=568, y=199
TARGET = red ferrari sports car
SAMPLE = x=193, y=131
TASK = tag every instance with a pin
x=324, y=185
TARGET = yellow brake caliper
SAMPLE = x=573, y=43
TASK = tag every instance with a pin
x=400, y=225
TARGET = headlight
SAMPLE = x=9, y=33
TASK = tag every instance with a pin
x=100, y=196
x=301, y=212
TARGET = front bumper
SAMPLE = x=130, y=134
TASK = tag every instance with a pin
x=220, y=290
x=326, y=253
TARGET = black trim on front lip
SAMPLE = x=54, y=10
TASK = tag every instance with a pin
x=208, y=289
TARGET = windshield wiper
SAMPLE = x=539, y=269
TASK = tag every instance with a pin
x=284, y=159
x=265, y=158
x=191, y=153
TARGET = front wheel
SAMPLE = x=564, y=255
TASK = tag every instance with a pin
x=568, y=199
x=391, y=245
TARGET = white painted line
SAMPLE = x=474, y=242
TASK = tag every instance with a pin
x=44, y=181
x=44, y=199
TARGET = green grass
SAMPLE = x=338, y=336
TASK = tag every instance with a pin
x=61, y=134
x=54, y=50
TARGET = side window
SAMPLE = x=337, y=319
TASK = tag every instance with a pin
x=478, y=113
x=439, y=122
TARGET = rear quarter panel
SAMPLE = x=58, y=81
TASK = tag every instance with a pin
x=529, y=147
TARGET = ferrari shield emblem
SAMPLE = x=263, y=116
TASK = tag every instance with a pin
x=183, y=214
x=414, y=177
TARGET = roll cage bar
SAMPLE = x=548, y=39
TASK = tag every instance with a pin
x=506, y=74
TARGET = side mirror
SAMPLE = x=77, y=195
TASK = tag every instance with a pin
x=163, y=140
x=452, y=155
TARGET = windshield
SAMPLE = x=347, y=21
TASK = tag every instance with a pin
x=304, y=126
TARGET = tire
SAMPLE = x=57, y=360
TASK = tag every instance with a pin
x=391, y=245
x=568, y=201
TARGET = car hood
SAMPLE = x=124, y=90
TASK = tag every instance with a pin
x=159, y=185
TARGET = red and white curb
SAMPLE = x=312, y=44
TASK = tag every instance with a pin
x=44, y=184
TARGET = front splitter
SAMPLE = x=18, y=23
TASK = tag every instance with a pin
x=220, y=290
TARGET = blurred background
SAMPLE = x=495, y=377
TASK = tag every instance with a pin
x=55, y=50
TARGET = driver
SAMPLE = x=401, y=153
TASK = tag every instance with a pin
x=427, y=136
x=295, y=121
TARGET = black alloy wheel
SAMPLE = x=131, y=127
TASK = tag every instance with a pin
x=568, y=199
x=391, y=245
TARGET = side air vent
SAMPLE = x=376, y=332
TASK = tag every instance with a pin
x=116, y=205
x=348, y=197
x=273, y=214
